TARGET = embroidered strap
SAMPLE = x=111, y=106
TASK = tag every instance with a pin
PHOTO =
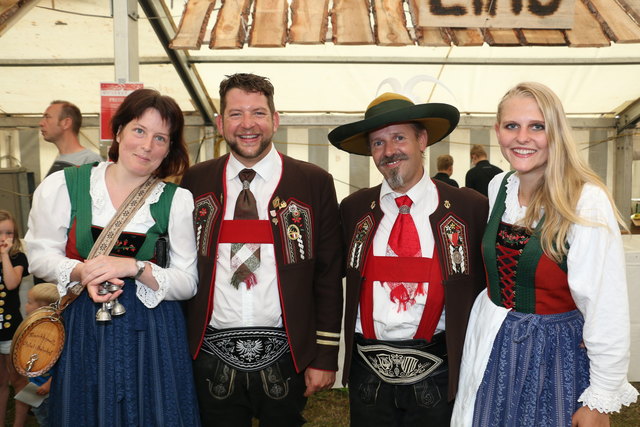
x=129, y=207
x=246, y=231
x=111, y=232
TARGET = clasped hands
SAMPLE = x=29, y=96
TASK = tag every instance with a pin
x=93, y=272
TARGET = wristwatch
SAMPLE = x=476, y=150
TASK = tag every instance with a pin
x=141, y=266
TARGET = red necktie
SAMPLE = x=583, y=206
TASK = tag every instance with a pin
x=404, y=242
x=245, y=257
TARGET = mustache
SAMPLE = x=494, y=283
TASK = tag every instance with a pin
x=390, y=159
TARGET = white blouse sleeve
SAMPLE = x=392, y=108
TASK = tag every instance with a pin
x=179, y=280
x=597, y=280
x=48, y=226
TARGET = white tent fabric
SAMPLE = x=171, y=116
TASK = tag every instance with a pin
x=81, y=31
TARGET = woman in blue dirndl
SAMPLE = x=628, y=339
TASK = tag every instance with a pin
x=135, y=369
x=548, y=341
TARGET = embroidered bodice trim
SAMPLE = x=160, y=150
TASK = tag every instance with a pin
x=100, y=194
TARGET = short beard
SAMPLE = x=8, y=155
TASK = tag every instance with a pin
x=233, y=146
x=394, y=179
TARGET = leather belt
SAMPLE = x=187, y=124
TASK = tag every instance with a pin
x=246, y=349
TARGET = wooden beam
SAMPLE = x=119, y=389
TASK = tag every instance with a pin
x=193, y=24
x=230, y=30
x=502, y=37
x=390, y=23
x=466, y=36
x=309, y=21
x=12, y=10
x=632, y=7
x=616, y=22
x=351, y=22
x=269, y=27
x=426, y=36
x=432, y=37
x=544, y=37
x=586, y=31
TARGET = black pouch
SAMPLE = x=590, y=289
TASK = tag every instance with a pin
x=162, y=251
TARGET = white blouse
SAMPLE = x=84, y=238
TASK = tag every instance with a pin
x=598, y=285
x=49, y=222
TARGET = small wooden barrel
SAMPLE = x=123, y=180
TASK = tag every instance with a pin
x=38, y=342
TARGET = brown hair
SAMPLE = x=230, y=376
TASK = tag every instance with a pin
x=16, y=247
x=69, y=110
x=134, y=106
x=444, y=162
x=478, y=151
x=44, y=293
x=248, y=83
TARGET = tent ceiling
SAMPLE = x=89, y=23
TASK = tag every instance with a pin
x=67, y=51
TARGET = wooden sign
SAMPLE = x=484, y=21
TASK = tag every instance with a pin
x=554, y=14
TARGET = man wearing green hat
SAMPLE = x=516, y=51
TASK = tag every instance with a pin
x=413, y=268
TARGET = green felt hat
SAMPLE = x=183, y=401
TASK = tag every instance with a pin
x=391, y=108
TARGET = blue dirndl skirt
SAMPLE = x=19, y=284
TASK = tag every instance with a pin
x=536, y=372
x=134, y=370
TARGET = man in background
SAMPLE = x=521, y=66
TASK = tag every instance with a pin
x=60, y=125
x=445, y=170
x=480, y=174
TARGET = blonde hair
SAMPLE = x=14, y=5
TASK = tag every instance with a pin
x=478, y=150
x=16, y=247
x=566, y=173
x=45, y=293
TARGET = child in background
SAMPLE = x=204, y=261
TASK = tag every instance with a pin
x=41, y=295
x=13, y=267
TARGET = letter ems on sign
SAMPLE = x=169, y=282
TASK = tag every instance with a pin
x=543, y=14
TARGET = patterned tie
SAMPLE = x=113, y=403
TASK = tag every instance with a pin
x=404, y=242
x=245, y=257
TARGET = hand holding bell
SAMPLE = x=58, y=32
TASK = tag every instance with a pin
x=109, y=308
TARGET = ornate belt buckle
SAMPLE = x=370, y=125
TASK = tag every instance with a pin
x=399, y=366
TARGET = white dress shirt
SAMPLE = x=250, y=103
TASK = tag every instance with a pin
x=259, y=305
x=389, y=323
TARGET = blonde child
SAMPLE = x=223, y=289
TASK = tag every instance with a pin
x=13, y=267
x=41, y=295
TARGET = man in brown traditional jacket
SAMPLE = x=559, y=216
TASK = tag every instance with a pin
x=264, y=326
x=413, y=268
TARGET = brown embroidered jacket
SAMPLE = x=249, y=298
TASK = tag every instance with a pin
x=460, y=210
x=310, y=285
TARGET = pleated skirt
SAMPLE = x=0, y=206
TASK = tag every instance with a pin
x=536, y=372
x=134, y=370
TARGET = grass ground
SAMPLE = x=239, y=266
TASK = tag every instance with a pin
x=331, y=409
